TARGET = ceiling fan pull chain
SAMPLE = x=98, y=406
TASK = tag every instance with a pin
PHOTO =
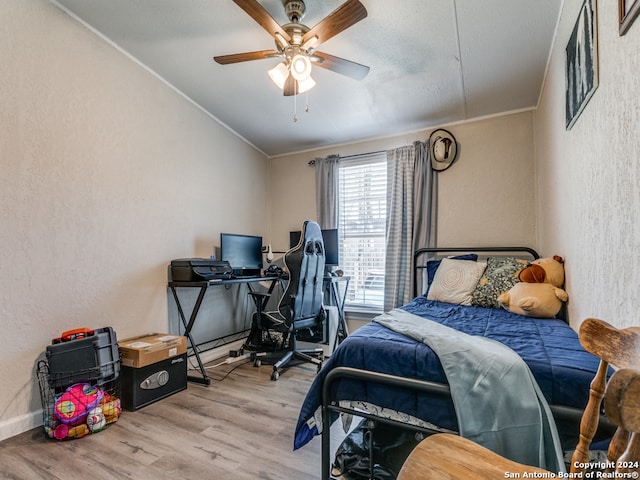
x=295, y=102
x=306, y=96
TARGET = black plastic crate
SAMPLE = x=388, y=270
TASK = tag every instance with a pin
x=91, y=359
x=72, y=409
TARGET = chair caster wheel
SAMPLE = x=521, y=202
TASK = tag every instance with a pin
x=275, y=375
x=257, y=362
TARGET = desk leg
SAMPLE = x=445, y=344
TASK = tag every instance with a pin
x=342, y=331
x=205, y=380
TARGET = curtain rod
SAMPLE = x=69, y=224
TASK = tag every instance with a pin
x=349, y=157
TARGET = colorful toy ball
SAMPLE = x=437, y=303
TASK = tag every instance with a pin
x=75, y=403
x=60, y=432
x=96, y=420
x=111, y=409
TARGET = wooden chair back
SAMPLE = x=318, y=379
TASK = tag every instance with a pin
x=619, y=348
x=622, y=405
x=448, y=457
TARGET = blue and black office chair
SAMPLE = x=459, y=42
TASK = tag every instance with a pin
x=300, y=307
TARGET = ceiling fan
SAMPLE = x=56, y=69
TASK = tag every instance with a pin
x=296, y=44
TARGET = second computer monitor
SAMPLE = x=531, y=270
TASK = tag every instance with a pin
x=331, y=246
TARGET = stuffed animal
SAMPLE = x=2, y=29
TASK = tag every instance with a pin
x=74, y=404
x=541, y=300
x=544, y=270
x=538, y=294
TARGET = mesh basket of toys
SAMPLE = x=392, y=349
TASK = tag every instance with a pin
x=73, y=408
x=79, y=383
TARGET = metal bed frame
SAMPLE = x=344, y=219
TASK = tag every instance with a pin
x=329, y=406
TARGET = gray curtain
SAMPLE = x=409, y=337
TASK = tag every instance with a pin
x=327, y=178
x=410, y=224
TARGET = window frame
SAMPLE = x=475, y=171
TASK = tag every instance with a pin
x=364, y=273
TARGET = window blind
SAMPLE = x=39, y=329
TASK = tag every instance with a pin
x=362, y=223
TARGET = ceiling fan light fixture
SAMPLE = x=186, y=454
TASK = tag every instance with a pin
x=306, y=84
x=296, y=44
x=300, y=67
x=279, y=74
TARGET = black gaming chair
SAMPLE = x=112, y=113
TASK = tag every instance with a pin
x=301, y=304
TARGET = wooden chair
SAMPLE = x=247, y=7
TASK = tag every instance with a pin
x=447, y=457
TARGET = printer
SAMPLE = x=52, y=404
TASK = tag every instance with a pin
x=199, y=270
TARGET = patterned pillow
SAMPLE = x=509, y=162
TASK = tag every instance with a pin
x=432, y=267
x=501, y=274
x=455, y=281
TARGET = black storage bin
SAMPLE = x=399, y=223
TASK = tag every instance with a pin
x=92, y=359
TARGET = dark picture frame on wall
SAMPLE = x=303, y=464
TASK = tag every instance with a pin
x=581, y=62
x=627, y=12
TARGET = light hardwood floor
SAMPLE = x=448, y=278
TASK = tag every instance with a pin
x=240, y=427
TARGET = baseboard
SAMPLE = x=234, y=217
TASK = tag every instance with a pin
x=17, y=425
x=216, y=353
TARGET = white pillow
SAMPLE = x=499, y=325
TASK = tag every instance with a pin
x=455, y=281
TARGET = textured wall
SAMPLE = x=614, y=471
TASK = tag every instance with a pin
x=486, y=198
x=105, y=175
x=589, y=177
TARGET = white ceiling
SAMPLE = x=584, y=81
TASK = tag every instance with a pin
x=433, y=62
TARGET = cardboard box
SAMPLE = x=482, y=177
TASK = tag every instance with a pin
x=147, y=349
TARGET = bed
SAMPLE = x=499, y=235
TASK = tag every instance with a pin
x=386, y=376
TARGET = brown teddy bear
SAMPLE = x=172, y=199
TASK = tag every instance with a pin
x=544, y=270
x=539, y=293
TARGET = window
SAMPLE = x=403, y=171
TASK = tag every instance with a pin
x=362, y=223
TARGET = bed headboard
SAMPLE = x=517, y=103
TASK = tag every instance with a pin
x=423, y=255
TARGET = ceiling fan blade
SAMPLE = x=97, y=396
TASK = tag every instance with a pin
x=260, y=15
x=340, y=65
x=245, y=57
x=346, y=15
x=290, y=86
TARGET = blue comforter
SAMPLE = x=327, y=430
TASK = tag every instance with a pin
x=551, y=349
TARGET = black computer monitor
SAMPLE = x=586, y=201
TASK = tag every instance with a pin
x=331, y=245
x=294, y=238
x=243, y=252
